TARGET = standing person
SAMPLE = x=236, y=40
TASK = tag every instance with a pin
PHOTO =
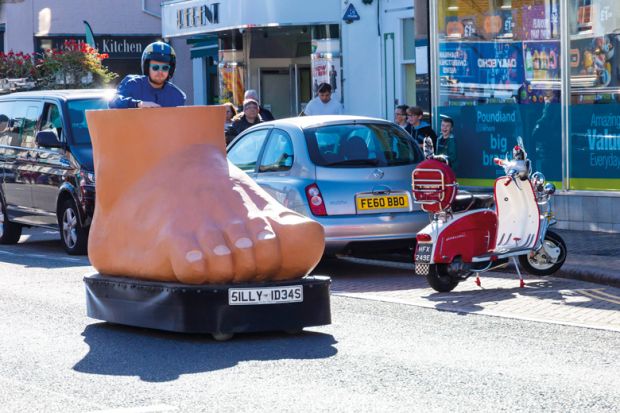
x=446, y=144
x=265, y=114
x=400, y=116
x=418, y=128
x=231, y=112
x=323, y=104
x=249, y=117
x=333, y=78
x=153, y=89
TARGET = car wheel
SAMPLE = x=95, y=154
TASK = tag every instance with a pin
x=9, y=231
x=73, y=236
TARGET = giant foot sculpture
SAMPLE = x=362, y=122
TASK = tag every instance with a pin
x=169, y=206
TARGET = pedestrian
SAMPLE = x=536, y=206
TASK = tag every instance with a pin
x=418, y=128
x=231, y=112
x=323, y=104
x=249, y=117
x=400, y=116
x=264, y=113
x=446, y=144
x=153, y=88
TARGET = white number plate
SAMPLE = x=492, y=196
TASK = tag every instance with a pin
x=267, y=295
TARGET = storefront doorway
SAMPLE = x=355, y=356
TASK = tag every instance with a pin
x=284, y=91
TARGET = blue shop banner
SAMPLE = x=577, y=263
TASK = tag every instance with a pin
x=595, y=147
x=484, y=132
x=482, y=63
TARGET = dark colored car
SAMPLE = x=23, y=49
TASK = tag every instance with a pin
x=46, y=164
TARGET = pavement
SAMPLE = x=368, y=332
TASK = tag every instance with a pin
x=592, y=256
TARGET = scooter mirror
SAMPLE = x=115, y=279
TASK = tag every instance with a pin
x=549, y=189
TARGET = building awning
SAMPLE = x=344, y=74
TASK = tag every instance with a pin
x=188, y=17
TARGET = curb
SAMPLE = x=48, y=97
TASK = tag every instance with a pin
x=581, y=272
x=590, y=274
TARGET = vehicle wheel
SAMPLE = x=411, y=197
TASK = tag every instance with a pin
x=73, y=236
x=542, y=262
x=439, y=280
x=9, y=231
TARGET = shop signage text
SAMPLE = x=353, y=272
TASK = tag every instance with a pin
x=198, y=16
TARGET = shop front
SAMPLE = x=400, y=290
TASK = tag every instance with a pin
x=124, y=51
x=547, y=71
x=282, y=50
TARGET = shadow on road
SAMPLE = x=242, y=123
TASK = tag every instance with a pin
x=157, y=356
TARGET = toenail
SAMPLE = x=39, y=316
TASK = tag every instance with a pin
x=243, y=243
x=221, y=250
x=193, y=256
x=263, y=235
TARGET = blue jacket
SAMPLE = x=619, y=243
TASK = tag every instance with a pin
x=136, y=88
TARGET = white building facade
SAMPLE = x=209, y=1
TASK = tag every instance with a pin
x=122, y=29
x=366, y=49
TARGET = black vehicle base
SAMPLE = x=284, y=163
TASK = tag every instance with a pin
x=221, y=310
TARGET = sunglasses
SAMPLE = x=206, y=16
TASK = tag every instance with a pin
x=163, y=68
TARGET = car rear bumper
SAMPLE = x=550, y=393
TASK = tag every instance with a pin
x=342, y=232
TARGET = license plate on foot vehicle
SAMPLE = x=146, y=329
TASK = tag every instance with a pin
x=423, y=253
x=266, y=295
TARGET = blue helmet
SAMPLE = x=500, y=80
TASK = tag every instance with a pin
x=162, y=52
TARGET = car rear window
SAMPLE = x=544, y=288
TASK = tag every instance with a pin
x=361, y=145
x=77, y=117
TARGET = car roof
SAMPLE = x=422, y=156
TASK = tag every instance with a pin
x=63, y=94
x=305, y=122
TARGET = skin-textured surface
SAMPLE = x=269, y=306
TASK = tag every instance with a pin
x=170, y=207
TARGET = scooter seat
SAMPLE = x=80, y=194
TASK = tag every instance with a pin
x=464, y=201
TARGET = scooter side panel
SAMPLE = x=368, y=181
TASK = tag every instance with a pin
x=518, y=215
x=468, y=235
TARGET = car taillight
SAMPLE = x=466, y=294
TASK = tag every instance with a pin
x=423, y=238
x=315, y=200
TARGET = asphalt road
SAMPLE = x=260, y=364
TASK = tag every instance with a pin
x=376, y=356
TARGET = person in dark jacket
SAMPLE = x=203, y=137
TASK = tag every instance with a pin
x=418, y=128
x=446, y=144
x=265, y=114
x=249, y=117
x=153, y=88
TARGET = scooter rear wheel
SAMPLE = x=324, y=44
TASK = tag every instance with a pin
x=539, y=262
x=439, y=280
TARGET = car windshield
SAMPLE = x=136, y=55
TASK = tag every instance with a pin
x=361, y=145
x=79, y=128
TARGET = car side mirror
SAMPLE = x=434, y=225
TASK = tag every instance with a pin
x=48, y=139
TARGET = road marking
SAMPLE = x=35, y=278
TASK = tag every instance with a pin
x=595, y=294
x=142, y=409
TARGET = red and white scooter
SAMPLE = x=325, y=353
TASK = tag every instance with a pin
x=469, y=234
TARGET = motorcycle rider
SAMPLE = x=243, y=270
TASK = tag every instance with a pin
x=153, y=88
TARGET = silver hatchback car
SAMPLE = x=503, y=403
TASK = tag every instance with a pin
x=352, y=174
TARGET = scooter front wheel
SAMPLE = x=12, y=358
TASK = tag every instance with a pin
x=548, y=259
x=439, y=279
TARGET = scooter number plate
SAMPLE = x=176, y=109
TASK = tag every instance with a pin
x=423, y=253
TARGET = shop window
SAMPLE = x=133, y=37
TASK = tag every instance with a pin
x=499, y=77
x=594, y=142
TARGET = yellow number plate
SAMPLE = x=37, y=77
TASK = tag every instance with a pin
x=382, y=202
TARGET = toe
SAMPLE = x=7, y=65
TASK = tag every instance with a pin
x=188, y=260
x=220, y=267
x=266, y=248
x=240, y=242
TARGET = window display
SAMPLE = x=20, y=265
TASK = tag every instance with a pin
x=500, y=77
